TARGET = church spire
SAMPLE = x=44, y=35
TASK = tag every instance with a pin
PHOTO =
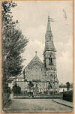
x=49, y=32
x=48, y=25
x=49, y=45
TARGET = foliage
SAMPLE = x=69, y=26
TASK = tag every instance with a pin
x=6, y=99
x=16, y=89
x=30, y=84
x=62, y=86
x=68, y=95
x=24, y=73
x=49, y=86
x=8, y=90
x=68, y=85
x=13, y=43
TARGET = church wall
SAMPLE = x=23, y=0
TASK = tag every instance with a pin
x=35, y=73
x=47, y=63
x=54, y=62
x=38, y=86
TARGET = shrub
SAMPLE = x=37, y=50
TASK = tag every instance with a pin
x=68, y=95
x=16, y=89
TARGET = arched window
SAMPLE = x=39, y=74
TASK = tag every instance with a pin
x=50, y=61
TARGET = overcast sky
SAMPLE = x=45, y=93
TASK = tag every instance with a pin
x=33, y=17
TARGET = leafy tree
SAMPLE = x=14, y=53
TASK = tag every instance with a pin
x=13, y=43
x=30, y=85
x=49, y=86
x=16, y=89
x=68, y=85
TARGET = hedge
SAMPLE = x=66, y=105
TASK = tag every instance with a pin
x=68, y=95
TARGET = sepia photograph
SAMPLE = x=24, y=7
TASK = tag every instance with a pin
x=37, y=56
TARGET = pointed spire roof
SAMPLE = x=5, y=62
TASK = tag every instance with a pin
x=48, y=31
x=48, y=25
x=49, y=45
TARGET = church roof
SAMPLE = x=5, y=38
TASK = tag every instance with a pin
x=35, y=60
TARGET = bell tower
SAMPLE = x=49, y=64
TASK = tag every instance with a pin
x=50, y=58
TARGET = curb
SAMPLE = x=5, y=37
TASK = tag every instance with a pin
x=62, y=104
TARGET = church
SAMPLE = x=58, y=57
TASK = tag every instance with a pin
x=41, y=77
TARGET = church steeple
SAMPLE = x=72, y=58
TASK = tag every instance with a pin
x=49, y=45
x=48, y=25
x=49, y=52
x=50, y=57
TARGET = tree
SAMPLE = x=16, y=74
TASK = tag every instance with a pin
x=30, y=85
x=49, y=86
x=16, y=89
x=13, y=43
x=68, y=85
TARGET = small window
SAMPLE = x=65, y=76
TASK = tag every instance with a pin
x=50, y=61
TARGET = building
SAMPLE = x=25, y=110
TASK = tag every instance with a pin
x=41, y=77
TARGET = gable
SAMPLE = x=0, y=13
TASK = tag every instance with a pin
x=35, y=70
x=35, y=61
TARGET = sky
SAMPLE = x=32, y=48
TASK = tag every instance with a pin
x=33, y=17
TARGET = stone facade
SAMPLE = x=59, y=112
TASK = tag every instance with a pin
x=42, y=75
x=50, y=58
x=35, y=70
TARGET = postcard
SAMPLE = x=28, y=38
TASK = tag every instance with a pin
x=37, y=56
